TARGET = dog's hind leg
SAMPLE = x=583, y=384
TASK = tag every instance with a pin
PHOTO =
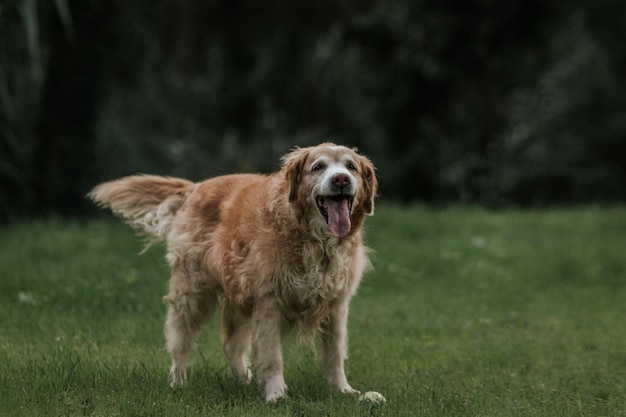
x=191, y=301
x=237, y=340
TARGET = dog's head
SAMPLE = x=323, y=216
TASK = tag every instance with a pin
x=332, y=185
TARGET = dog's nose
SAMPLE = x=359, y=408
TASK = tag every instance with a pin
x=341, y=180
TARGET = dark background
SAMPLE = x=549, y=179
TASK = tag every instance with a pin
x=501, y=103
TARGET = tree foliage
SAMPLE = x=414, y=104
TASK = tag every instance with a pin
x=516, y=102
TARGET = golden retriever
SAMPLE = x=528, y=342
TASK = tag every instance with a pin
x=276, y=252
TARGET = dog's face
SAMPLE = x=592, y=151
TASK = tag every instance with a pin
x=332, y=184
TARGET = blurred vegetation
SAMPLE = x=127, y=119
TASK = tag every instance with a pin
x=482, y=101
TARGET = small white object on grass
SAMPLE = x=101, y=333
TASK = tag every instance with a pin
x=372, y=397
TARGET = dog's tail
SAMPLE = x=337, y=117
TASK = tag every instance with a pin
x=147, y=202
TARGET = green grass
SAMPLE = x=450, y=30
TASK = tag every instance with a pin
x=467, y=313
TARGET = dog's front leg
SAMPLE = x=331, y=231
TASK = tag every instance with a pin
x=334, y=348
x=267, y=347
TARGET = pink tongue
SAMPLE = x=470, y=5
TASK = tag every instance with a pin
x=338, y=217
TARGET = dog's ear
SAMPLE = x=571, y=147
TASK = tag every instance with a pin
x=370, y=184
x=293, y=167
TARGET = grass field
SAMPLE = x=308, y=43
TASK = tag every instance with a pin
x=467, y=313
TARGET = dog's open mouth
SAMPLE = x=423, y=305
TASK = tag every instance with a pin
x=336, y=210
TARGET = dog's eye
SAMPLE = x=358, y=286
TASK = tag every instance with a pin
x=351, y=166
x=317, y=167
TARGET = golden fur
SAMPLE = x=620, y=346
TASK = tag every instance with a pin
x=282, y=252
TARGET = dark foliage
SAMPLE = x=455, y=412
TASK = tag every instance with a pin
x=517, y=102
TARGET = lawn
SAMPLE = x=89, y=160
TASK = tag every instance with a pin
x=468, y=312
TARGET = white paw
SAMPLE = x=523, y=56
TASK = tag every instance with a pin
x=178, y=377
x=247, y=377
x=244, y=377
x=348, y=390
x=275, y=389
x=274, y=397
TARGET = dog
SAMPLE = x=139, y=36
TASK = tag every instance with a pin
x=275, y=253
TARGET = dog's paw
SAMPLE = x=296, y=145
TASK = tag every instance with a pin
x=275, y=390
x=244, y=377
x=178, y=377
x=348, y=390
x=275, y=397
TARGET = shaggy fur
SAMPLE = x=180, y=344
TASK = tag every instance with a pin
x=280, y=252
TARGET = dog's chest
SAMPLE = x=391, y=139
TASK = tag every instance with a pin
x=319, y=279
